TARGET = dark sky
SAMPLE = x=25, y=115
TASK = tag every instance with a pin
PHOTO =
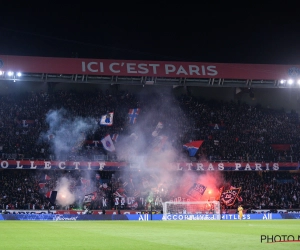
x=144, y=35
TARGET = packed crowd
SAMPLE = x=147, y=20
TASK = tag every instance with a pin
x=267, y=190
x=21, y=189
x=28, y=189
x=23, y=140
x=231, y=131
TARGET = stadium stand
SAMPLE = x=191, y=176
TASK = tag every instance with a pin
x=65, y=125
x=249, y=134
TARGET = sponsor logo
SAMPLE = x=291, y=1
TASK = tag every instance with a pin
x=26, y=212
x=266, y=216
x=235, y=217
x=189, y=217
x=62, y=218
x=144, y=217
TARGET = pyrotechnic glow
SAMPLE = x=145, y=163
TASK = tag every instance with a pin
x=64, y=195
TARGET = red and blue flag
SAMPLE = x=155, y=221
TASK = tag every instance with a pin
x=192, y=147
x=132, y=115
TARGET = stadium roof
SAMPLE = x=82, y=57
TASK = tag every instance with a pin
x=108, y=71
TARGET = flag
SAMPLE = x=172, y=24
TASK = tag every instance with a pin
x=48, y=194
x=89, y=197
x=107, y=119
x=51, y=196
x=132, y=115
x=136, y=193
x=43, y=180
x=108, y=143
x=132, y=203
x=192, y=147
x=229, y=197
x=220, y=193
x=115, y=137
x=42, y=185
x=120, y=192
x=195, y=190
x=239, y=198
x=47, y=177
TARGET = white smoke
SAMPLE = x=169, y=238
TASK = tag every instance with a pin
x=66, y=134
x=149, y=145
x=64, y=196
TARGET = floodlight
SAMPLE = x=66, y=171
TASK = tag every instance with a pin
x=282, y=81
x=1, y=73
x=290, y=81
x=19, y=74
x=10, y=73
x=298, y=81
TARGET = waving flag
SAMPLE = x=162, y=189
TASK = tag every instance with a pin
x=108, y=143
x=132, y=115
x=192, y=147
x=229, y=197
x=43, y=180
x=120, y=192
x=107, y=119
x=42, y=185
x=196, y=190
x=239, y=198
x=115, y=137
x=90, y=197
x=51, y=196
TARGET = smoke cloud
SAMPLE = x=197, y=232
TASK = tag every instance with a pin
x=64, y=196
x=152, y=145
x=66, y=134
x=149, y=145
